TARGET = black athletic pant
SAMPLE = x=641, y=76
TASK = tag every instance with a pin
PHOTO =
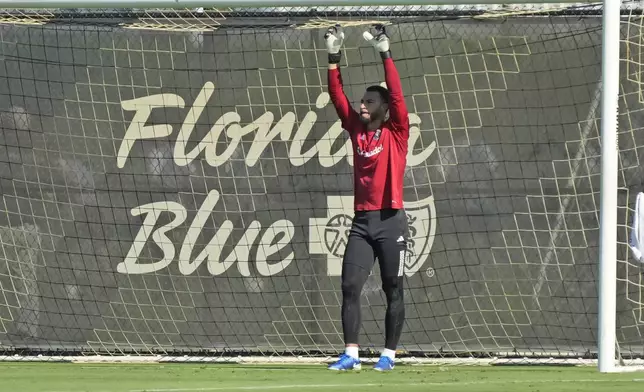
x=382, y=234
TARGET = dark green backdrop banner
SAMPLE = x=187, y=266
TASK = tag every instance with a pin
x=171, y=191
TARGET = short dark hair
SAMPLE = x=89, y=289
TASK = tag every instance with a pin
x=384, y=93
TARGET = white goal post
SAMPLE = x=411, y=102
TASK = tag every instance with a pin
x=610, y=88
x=608, y=190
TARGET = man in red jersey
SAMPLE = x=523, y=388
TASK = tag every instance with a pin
x=379, y=133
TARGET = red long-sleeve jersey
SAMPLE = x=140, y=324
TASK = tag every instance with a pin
x=379, y=156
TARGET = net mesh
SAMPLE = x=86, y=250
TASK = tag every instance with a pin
x=176, y=181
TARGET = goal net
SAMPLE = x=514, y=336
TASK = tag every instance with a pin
x=176, y=185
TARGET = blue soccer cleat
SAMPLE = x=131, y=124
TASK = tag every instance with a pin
x=384, y=364
x=346, y=362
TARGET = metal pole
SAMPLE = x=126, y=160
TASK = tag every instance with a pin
x=607, y=291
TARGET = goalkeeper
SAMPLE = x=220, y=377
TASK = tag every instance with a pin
x=379, y=227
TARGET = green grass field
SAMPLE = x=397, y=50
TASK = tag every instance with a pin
x=61, y=377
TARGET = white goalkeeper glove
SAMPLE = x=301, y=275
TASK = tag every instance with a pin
x=333, y=39
x=380, y=42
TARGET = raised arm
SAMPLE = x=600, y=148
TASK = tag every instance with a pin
x=333, y=40
x=397, y=107
x=338, y=97
x=398, y=113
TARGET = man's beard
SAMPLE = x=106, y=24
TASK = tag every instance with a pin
x=372, y=117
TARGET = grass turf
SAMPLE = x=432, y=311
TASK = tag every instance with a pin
x=66, y=377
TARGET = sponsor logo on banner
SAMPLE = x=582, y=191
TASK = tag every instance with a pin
x=258, y=243
x=329, y=235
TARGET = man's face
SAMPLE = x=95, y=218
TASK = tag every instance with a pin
x=372, y=107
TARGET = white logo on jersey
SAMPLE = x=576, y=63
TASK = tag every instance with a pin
x=371, y=153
